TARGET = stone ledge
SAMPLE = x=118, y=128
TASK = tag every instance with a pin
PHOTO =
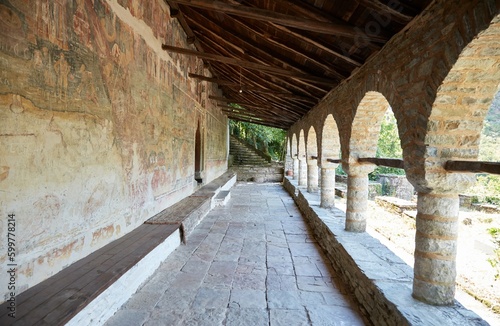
x=396, y=205
x=379, y=280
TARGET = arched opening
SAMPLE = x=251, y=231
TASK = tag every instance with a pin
x=363, y=144
x=312, y=160
x=453, y=133
x=330, y=141
x=302, y=159
x=330, y=150
x=198, y=155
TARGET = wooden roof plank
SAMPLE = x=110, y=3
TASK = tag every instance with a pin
x=250, y=65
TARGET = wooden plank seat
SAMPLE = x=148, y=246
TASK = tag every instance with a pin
x=59, y=298
x=186, y=213
x=90, y=290
x=190, y=211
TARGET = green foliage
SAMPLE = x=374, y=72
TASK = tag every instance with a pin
x=487, y=187
x=492, y=122
x=495, y=261
x=267, y=139
x=389, y=145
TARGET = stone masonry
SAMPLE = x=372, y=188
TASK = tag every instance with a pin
x=439, y=83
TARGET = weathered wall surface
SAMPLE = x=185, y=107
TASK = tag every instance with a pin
x=97, y=126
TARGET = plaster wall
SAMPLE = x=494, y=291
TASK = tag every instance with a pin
x=97, y=126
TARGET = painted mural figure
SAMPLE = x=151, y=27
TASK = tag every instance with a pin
x=48, y=73
x=62, y=69
x=81, y=25
x=86, y=86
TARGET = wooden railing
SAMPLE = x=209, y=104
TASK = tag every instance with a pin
x=450, y=166
x=389, y=162
x=473, y=166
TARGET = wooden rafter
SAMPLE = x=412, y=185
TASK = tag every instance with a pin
x=230, y=39
x=258, y=78
x=245, y=88
x=274, y=81
x=278, y=18
x=175, y=12
x=389, y=12
x=268, y=61
x=317, y=44
x=250, y=65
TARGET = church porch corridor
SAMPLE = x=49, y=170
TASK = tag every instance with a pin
x=251, y=262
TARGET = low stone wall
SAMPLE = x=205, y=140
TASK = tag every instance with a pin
x=396, y=186
x=396, y=205
x=259, y=174
x=379, y=280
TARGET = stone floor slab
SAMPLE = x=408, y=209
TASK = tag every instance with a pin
x=251, y=262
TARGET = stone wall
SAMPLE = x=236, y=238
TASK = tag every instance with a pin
x=260, y=174
x=439, y=76
x=97, y=126
x=396, y=186
x=379, y=280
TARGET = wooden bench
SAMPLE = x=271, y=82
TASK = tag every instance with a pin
x=190, y=211
x=114, y=272
x=59, y=298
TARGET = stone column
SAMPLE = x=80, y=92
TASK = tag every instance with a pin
x=302, y=172
x=327, y=187
x=436, y=248
x=312, y=175
x=295, y=168
x=357, y=196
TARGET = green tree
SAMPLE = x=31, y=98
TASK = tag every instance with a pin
x=266, y=139
x=389, y=145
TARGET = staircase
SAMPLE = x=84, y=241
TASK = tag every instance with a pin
x=243, y=154
x=251, y=165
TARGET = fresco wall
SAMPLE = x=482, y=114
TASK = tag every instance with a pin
x=97, y=126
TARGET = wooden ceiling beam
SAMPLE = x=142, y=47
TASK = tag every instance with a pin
x=392, y=14
x=278, y=18
x=265, y=118
x=310, y=41
x=263, y=123
x=254, y=105
x=328, y=69
x=270, y=62
x=250, y=65
x=262, y=75
x=245, y=88
x=260, y=115
x=175, y=12
x=274, y=81
x=285, y=103
x=243, y=41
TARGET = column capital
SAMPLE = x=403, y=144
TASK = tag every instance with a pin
x=353, y=167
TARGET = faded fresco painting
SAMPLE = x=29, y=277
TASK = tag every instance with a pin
x=97, y=124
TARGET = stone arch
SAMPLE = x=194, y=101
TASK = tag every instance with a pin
x=302, y=159
x=293, y=145
x=459, y=109
x=301, y=150
x=330, y=141
x=366, y=127
x=452, y=132
x=311, y=143
x=312, y=160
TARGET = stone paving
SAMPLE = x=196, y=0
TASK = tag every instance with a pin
x=252, y=262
